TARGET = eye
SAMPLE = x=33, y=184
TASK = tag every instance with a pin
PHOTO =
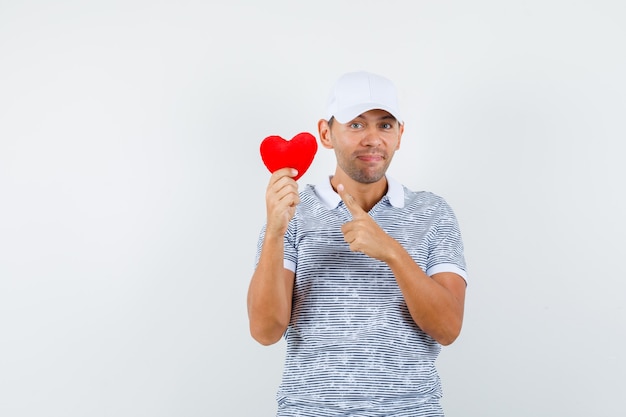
x=387, y=126
x=355, y=125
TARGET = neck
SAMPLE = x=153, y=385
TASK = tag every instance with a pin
x=367, y=195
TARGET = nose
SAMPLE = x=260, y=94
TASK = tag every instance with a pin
x=371, y=137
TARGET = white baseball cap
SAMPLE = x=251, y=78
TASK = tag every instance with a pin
x=355, y=93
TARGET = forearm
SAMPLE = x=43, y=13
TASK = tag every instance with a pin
x=270, y=293
x=432, y=303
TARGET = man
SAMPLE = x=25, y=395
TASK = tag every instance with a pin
x=364, y=278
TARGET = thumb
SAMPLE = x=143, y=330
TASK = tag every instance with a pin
x=350, y=202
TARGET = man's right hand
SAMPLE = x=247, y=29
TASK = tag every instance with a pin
x=281, y=198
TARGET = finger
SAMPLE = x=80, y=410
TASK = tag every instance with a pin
x=282, y=178
x=350, y=238
x=350, y=202
x=283, y=172
x=284, y=188
x=289, y=198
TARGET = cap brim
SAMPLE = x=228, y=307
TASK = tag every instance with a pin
x=351, y=113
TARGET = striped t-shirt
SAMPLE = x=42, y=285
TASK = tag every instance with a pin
x=352, y=346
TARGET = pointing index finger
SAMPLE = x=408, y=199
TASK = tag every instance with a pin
x=350, y=202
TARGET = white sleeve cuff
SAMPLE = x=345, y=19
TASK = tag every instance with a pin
x=289, y=265
x=447, y=268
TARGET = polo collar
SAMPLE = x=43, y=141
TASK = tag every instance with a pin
x=328, y=196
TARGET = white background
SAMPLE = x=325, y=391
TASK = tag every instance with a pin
x=132, y=192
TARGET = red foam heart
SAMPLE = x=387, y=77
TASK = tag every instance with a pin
x=297, y=153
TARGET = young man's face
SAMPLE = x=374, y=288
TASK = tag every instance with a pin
x=364, y=146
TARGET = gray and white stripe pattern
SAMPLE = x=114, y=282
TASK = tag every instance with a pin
x=352, y=347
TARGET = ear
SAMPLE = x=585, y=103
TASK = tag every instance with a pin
x=324, y=131
x=400, y=132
